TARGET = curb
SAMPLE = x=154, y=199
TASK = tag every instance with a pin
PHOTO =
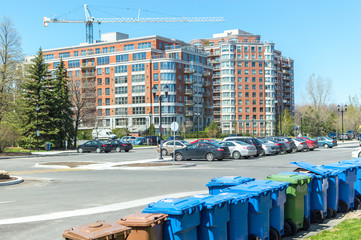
x=17, y=181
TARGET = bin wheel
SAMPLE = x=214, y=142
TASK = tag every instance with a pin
x=317, y=216
x=98, y=150
x=342, y=206
x=293, y=227
x=359, y=197
x=334, y=213
x=329, y=212
x=236, y=155
x=357, y=203
x=254, y=237
x=178, y=157
x=306, y=223
x=274, y=234
x=164, y=152
x=286, y=229
x=118, y=149
x=210, y=156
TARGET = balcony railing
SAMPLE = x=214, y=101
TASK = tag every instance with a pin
x=88, y=65
x=189, y=71
x=189, y=103
x=189, y=81
x=206, y=74
x=189, y=92
x=189, y=113
x=87, y=75
x=217, y=75
x=216, y=90
x=207, y=83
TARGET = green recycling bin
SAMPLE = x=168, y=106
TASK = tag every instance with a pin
x=296, y=192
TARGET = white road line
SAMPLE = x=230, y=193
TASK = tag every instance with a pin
x=6, y=202
x=95, y=210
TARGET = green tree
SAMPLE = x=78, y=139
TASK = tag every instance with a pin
x=63, y=115
x=212, y=130
x=151, y=129
x=287, y=123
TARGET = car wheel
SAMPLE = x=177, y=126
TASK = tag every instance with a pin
x=246, y=157
x=98, y=150
x=118, y=149
x=236, y=155
x=126, y=150
x=311, y=149
x=210, y=156
x=178, y=157
x=164, y=152
x=80, y=150
x=359, y=154
x=325, y=145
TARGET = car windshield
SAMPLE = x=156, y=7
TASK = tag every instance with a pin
x=214, y=141
x=139, y=139
x=185, y=143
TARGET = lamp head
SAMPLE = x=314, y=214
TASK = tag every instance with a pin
x=154, y=90
x=345, y=107
x=166, y=90
x=338, y=108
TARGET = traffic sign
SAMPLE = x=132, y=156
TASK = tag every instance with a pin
x=174, y=126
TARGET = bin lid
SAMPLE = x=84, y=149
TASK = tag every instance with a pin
x=228, y=180
x=210, y=201
x=275, y=184
x=356, y=161
x=313, y=168
x=99, y=229
x=142, y=219
x=341, y=166
x=240, y=197
x=254, y=189
x=291, y=177
x=175, y=206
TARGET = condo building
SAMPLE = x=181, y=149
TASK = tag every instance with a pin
x=253, y=83
x=122, y=80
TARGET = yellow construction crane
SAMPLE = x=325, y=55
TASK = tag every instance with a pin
x=89, y=20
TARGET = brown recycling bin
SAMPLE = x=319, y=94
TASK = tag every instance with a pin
x=145, y=226
x=99, y=230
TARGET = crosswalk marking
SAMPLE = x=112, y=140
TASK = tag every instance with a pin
x=47, y=170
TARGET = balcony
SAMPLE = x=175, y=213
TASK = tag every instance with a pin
x=217, y=75
x=216, y=69
x=206, y=94
x=206, y=74
x=87, y=75
x=216, y=90
x=188, y=92
x=286, y=66
x=207, y=83
x=217, y=112
x=217, y=104
x=286, y=72
x=216, y=83
x=189, y=103
x=189, y=81
x=214, y=54
x=216, y=97
x=214, y=61
x=189, y=70
x=88, y=65
x=189, y=113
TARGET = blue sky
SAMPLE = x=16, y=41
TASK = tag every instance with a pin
x=321, y=36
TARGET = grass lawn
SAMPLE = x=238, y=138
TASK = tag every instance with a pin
x=348, y=229
x=20, y=149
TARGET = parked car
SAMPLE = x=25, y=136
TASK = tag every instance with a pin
x=151, y=140
x=269, y=147
x=103, y=134
x=312, y=144
x=205, y=140
x=356, y=153
x=352, y=134
x=334, y=135
x=202, y=150
x=138, y=141
x=326, y=142
x=119, y=145
x=130, y=139
x=169, y=146
x=177, y=137
x=345, y=136
x=240, y=149
x=281, y=145
x=249, y=140
x=359, y=136
x=95, y=145
x=301, y=144
x=290, y=145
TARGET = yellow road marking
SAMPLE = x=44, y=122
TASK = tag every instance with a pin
x=47, y=170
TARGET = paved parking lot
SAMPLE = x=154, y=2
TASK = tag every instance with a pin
x=54, y=199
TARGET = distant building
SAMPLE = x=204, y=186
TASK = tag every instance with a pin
x=252, y=82
x=119, y=73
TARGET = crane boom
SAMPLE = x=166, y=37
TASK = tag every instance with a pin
x=89, y=20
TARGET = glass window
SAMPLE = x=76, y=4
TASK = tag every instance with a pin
x=107, y=81
x=97, y=50
x=111, y=49
x=107, y=91
x=129, y=47
x=155, y=66
x=155, y=76
x=122, y=58
x=99, y=81
x=99, y=71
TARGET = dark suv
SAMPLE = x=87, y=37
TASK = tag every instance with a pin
x=249, y=140
x=151, y=140
x=289, y=141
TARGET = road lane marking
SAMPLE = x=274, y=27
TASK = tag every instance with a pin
x=6, y=202
x=47, y=170
x=96, y=210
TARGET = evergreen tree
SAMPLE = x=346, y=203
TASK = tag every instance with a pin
x=62, y=106
x=151, y=129
x=38, y=94
x=212, y=130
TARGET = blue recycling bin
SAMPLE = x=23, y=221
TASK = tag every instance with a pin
x=259, y=206
x=215, y=216
x=347, y=178
x=238, y=223
x=217, y=184
x=277, y=212
x=184, y=216
x=357, y=162
x=318, y=191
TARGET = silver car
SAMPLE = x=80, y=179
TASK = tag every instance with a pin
x=240, y=149
x=269, y=147
x=301, y=144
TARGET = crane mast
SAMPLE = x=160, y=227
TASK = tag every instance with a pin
x=89, y=20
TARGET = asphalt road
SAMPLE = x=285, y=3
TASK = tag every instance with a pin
x=52, y=200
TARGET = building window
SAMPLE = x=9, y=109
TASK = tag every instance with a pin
x=100, y=102
x=138, y=89
x=99, y=71
x=138, y=78
x=99, y=81
x=260, y=64
x=253, y=72
x=97, y=50
x=122, y=58
x=138, y=67
x=253, y=87
x=73, y=64
x=139, y=121
x=138, y=110
x=105, y=50
x=138, y=99
x=121, y=90
x=76, y=53
x=121, y=69
x=260, y=87
x=253, y=79
x=167, y=66
x=107, y=91
x=100, y=112
x=64, y=55
x=155, y=77
x=121, y=100
x=102, y=60
x=107, y=71
x=111, y=49
x=239, y=79
x=129, y=47
x=107, y=81
x=254, y=94
x=139, y=56
x=144, y=45
x=83, y=52
x=121, y=79
x=107, y=112
x=254, y=109
x=260, y=79
x=107, y=101
x=99, y=91
x=246, y=87
x=155, y=66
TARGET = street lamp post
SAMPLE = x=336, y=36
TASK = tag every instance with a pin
x=37, y=125
x=342, y=109
x=154, y=91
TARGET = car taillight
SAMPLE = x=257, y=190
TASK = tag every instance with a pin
x=278, y=144
x=104, y=145
x=220, y=149
x=246, y=148
x=288, y=142
x=124, y=145
x=333, y=141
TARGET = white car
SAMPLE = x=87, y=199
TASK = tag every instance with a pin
x=356, y=153
x=240, y=149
